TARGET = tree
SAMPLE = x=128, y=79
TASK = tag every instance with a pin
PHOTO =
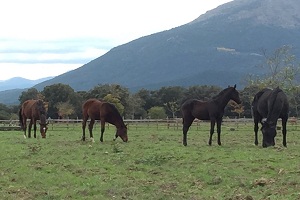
x=282, y=69
x=31, y=93
x=236, y=108
x=135, y=107
x=65, y=109
x=58, y=93
x=157, y=112
x=171, y=97
x=172, y=107
x=5, y=112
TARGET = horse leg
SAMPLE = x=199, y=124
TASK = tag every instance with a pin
x=34, y=128
x=255, y=131
x=187, y=122
x=91, y=125
x=102, y=129
x=212, y=127
x=284, y=122
x=29, y=129
x=219, y=122
x=83, y=128
x=24, y=126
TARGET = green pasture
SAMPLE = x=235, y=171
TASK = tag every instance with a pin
x=152, y=165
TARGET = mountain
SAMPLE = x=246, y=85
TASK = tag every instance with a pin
x=11, y=89
x=20, y=83
x=220, y=47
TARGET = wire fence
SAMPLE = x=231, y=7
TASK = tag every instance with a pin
x=158, y=124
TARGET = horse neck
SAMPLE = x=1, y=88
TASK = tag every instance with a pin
x=42, y=118
x=223, y=100
x=118, y=122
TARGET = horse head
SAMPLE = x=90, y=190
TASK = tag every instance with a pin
x=269, y=133
x=43, y=129
x=235, y=95
x=122, y=133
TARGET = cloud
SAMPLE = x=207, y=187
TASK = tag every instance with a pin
x=52, y=51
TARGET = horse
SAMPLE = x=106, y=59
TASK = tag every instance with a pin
x=267, y=106
x=33, y=110
x=105, y=112
x=212, y=110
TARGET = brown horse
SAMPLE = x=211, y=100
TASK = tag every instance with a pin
x=105, y=112
x=212, y=110
x=33, y=110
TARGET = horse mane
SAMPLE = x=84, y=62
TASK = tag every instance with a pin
x=222, y=92
x=115, y=110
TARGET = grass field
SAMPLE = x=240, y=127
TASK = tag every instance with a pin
x=152, y=165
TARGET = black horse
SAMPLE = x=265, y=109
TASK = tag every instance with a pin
x=212, y=110
x=267, y=106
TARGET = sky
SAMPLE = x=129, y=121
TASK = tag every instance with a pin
x=44, y=38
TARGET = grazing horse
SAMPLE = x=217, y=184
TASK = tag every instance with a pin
x=212, y=110
x=33, y=110
x=105, y=112
x=267, y=106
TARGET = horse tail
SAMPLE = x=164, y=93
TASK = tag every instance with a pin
x=21, y=118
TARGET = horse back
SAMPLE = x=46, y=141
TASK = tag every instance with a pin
x=270, y=102
x=196, y=108
x=28, y=109
x=91, y=108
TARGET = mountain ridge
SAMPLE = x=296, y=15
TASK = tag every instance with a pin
x=20, y=83
x=220, y=47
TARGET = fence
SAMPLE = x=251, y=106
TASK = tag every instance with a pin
x=172, y=124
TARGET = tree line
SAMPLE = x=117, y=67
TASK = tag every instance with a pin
x=62, y=101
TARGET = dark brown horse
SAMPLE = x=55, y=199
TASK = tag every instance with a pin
x=212, y=110
x=267, y=106
x=105, y=112
x=33, y=110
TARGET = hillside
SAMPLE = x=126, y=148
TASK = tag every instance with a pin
x=20, y=83
x=220, y=48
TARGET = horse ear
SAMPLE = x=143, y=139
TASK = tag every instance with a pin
x=234, y=86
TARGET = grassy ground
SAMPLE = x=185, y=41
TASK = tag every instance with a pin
x=152, y=165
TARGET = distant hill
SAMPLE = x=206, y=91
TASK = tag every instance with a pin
x=220, y=47
x=20, y=83
x=11, y=89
